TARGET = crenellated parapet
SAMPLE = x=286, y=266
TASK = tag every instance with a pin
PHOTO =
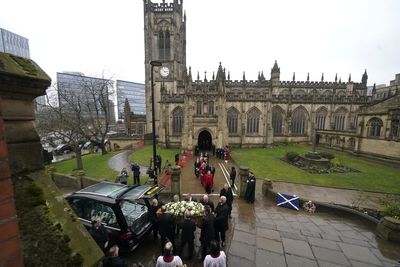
x=162, y=7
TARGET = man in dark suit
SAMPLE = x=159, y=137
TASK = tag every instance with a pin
x=221, y=220
x=206, y=201
x=227, y=192
x=188, y=227
x=207, y=230
x=166, y=227
x=155, y=205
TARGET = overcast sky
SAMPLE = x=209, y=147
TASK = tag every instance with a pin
x=340, y=36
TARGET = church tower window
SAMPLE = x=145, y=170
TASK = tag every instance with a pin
x=177, y=120
x=253, y=121
x=211, y=108
x=277, y=120
x=375, y=126
x=164, y=45
x=199, y=108
x=298, y=122
x=232, y=120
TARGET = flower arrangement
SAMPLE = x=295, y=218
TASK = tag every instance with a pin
x=309, y=206
x=178, y=208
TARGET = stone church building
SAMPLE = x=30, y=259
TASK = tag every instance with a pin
x=218, y=111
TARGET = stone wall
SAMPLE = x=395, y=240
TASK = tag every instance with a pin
x=21, y=81
x=10, y=246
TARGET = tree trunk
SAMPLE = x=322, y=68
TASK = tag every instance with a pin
x=103, y=150
x=78, y=154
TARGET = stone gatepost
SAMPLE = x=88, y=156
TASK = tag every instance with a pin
x=243, y=176
x=266, y=186
x=21, y=81
x=176, y=180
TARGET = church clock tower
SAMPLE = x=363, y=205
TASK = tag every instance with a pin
x=164, y=41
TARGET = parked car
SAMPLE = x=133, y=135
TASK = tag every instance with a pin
x=123, y=210
x=62, y=149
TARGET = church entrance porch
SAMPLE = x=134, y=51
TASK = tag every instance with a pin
x=204, y=141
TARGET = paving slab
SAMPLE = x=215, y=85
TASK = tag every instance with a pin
x=327, y=264
x=310, y=234
x=329, y=255
x=237, y=261
x=297, y=247
x=355, y=242
x=268, y=233
x=362, y=264
x=244, y=237
x=242, y=250
x=359, y=253
x=319, y=242
x=267, y=258
x=331, y=237
x=291, y=235
x=296, y=261
x=266, y=225
x=268, y=244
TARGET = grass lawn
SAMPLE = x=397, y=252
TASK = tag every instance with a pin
x=142, y=156
x=266, y=163
x=94, y=165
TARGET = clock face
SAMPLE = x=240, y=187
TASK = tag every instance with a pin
x=164, y=71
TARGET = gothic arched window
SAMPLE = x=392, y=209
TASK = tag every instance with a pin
x=320, y=119
x=277, y=120
x=375, y=126
x=339, y=119
x=164, y=44
x=211, y=108
x=298, y=121
x=177, y=120
x=395, y=127
x=253, y=121
x=232, y=120
x=199, y=108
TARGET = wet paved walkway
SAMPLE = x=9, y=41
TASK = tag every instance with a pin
x=262, y=234
x=121, y=160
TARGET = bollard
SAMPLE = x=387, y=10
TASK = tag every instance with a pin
x=266, y=186
x=243, y=176
x=176, y=180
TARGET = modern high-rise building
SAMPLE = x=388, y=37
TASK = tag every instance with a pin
x=14, y=44
x=135, y=93
x=75, y=84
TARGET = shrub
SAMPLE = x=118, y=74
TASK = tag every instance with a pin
x=292, y=156
x=391, y=207
x=336, y=162
x=327, y=155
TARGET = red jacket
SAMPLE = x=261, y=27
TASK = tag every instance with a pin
x=208, y=180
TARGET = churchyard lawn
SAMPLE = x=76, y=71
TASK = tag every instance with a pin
x=142, y=156
x=267, y=163
x=94, y=165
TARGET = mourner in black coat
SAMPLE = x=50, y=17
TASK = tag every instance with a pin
x=232, y=176
x=207, y=230
x=250, y=188
x=227, y=192
x=188, y=227
x=221, y=220
x=206, y=201
x=166, y=227
x=155, y=206
x=112, y=258
x=99, y=234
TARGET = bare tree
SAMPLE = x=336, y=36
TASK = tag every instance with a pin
x=82, y=114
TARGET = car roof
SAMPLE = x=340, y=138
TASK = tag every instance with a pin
x=105, y=189
x=113, y=191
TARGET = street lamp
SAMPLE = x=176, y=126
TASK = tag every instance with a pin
x=153, y=121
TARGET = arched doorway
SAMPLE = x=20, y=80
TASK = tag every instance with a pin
x=204, y=142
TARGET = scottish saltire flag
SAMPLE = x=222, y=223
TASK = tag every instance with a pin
x=288, y=201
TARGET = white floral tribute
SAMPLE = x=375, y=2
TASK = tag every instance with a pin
x=178, y=208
